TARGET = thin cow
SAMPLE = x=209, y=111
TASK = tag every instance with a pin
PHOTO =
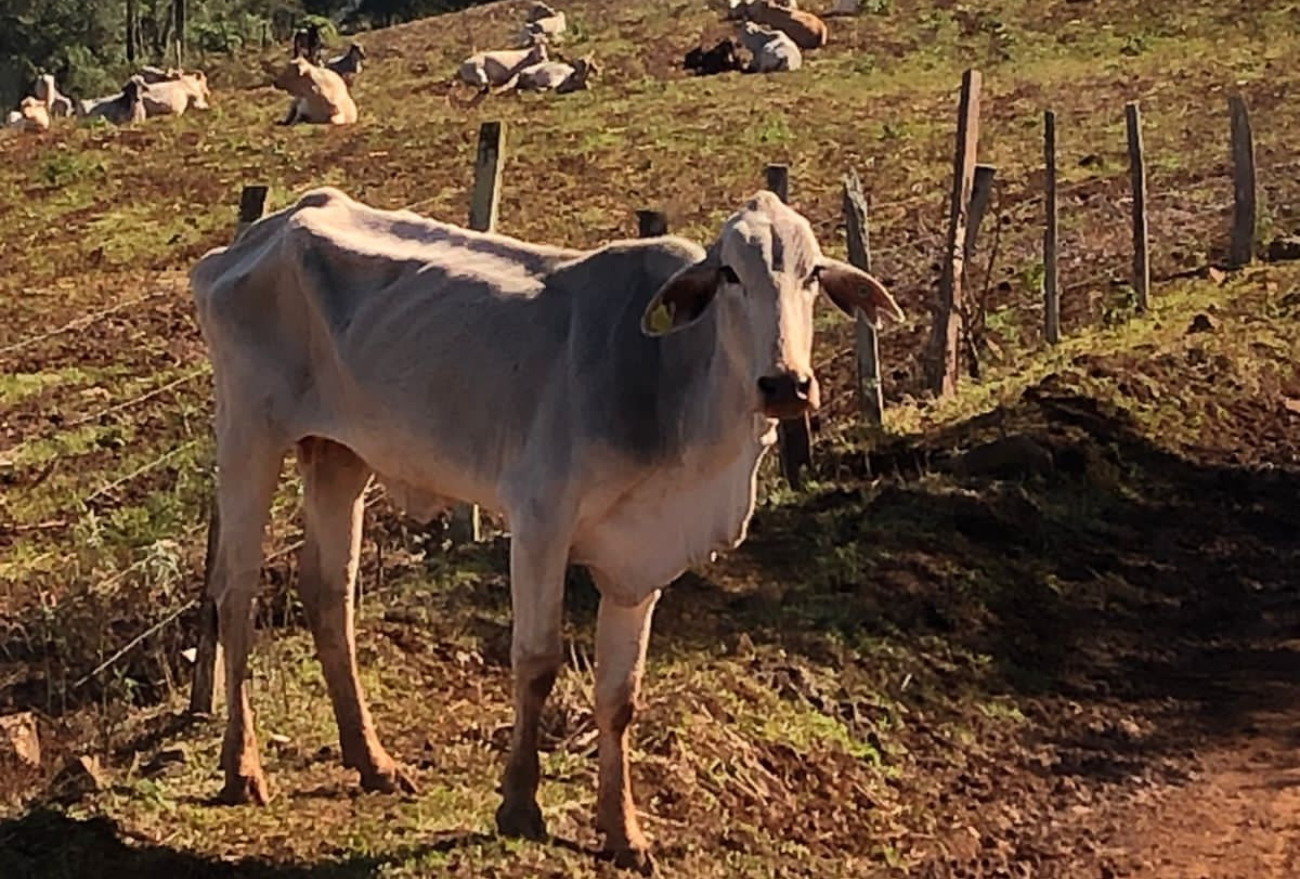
x=612, y=404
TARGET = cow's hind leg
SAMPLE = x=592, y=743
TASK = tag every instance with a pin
x=247, y=472
x=622, y=634
x=537, y=562
x=334, y=481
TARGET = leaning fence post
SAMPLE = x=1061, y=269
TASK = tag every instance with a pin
x=466, y=525
x=1141, y=238
x=207, y=658
x=1244, y=206
x=871, y=402
x=795, y=434
x=1051, y=286
x=946, y=337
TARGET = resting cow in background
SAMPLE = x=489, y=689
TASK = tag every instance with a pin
x=807, y=30
x=31, y=115
x=319, y=95
x=120, y=109
x=773, y=51
x=57, y=104
x=617, y=420
x=172, y=97
x=348, y=65
x=488, y=69
x=723, y=57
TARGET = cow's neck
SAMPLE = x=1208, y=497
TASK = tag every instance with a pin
x=718, y=418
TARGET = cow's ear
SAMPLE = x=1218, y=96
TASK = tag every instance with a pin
x=682, y=299
x=851, y=289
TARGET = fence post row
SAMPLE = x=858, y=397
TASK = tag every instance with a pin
x=466, y=524
x=866, y=345
x=1244, y=206
x=207, y=659
x=945, y=341
x=1141, y=238
x=1051, y=286
x=795, y=434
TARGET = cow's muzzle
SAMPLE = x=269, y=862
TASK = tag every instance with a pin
x=788, y=394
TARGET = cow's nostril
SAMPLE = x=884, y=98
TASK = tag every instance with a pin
x=804, y=386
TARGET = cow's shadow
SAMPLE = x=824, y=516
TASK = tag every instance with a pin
x=48, y=844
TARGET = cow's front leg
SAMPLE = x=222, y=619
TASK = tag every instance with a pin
x=622, y=633
x=537, y=565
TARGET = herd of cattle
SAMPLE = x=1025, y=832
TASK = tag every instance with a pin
x=775, y=34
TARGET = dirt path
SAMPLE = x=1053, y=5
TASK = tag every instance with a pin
x=1239, y=817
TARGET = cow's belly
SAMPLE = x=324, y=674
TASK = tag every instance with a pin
x=668, y=524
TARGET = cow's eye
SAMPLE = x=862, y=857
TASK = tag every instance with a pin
x=729, y=275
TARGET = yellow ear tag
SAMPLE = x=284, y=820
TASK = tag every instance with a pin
x=660, y=320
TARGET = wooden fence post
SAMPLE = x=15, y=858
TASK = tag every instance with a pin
x=857, y=231
x=178, y=9
x=1051, y=287
x=207, y=659
x=1141, y=238
x=1244, y=206
x=946, y=338
x=132, y=31
x=651, y=224
x=795, y=434
x=466, y=525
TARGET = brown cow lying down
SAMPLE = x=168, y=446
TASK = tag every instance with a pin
x=807, y=30
x=31, y=115
x=120, y=109
x=319, y=95
x=172, y=97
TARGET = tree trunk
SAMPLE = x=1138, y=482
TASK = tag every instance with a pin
x=132, y=30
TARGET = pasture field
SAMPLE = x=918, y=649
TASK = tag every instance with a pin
x=1079, y=663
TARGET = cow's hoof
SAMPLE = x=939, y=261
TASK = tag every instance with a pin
x=242, y=789
x=631, y=858
x=521, y=819
x=388, y=781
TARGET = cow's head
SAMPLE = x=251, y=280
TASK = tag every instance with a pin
x=762, y=275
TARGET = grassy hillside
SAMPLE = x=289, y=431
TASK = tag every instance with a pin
x=906, y=667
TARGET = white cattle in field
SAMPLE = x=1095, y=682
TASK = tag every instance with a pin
x=172, y=97
x=319, y=95
x=57, y=104
x=612, y=404
x=491, y=69
x=121, y=109
x=773, y=51
x=560, y=76
x=31, y=115
x=545, y=21
x=151, y=74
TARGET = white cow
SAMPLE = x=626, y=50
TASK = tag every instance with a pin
x=558, y=75
x=31, y=115
x=490, y=69
x=57, y=104
x=319, y=94
x=545, y=21
x=773, y=51
x=121, y=109
x=613, y=405
x=172, y=97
